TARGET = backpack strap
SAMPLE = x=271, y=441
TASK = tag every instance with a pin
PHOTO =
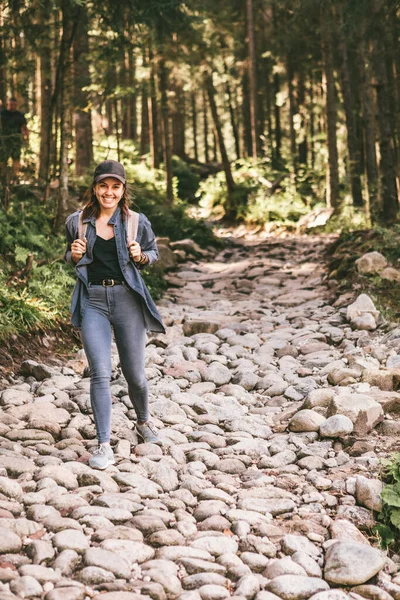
x=132, y=226
x=81, y=227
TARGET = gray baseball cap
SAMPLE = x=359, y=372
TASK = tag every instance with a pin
x=110, y=168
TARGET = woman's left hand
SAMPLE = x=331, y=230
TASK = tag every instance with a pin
x=135, y=251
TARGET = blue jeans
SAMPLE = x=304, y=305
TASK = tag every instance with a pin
x=119, y=308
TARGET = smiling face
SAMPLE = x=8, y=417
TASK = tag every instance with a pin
x=109, y=192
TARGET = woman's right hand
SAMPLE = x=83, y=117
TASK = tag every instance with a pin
x=78, y=249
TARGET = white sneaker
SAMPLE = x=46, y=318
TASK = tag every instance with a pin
x=148, y=433
x=102, y=457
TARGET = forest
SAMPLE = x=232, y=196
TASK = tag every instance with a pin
x=258, y=112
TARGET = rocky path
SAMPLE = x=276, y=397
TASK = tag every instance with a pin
x=274, y=413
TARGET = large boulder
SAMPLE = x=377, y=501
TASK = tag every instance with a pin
x=167, y=259
x=390, y=274
x=189, y=246
x=306, y=420
x=336, y=426
x=362, y=314
x=364, y=412
x=351, y=563
x=368, y=493
x=371, y=262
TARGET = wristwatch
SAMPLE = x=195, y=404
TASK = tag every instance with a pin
x=143, y=259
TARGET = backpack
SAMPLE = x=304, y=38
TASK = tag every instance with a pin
x=131, y=228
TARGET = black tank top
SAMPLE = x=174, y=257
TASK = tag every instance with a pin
x=105, y=263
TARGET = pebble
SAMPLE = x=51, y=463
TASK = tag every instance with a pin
x=296, y=587
x=213, y=592
x=26, y=587
x=216, y=545
x=99, y=557
x=306, y=420
x=129, y=550
x=70, y=539
x=9, y=541
x=299, y=543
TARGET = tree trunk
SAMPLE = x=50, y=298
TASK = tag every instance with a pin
x=194, y=127
x=123, y=75
x=390, y=45
x=312, y=122
x=214, y=148
x=252, y=80
x=205, y=129
x=395, y=36
x=278, y=133
x=230, y=184
x=110, y=116
x=268, y=102
x=153, y=119
x=44, y=53
x=369, y=128
x=348, y=104
x=62, y=206
x=82, y=116
x=70, y=21
x=292, y=113
x=132, y=98
x=232, y=111
x=117, y=127
x=59, y=99
x=332, y=192
x=178, y=122
x=163, y=78
x=3, y=60
x=145, y=125
x=246, y=116
x=301, y=100
x=387, y=162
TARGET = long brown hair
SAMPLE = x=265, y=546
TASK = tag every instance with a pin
x=91, y=207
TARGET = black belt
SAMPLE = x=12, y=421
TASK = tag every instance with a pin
x=107, y=282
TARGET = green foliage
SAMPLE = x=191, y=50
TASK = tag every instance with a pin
x=20, y=312
x=188, y=179
x=388, y=528
x=155, y=282
x=44, y=299
x=348, y=220
x=385, y=535
x=174, y=222
x=262, y=194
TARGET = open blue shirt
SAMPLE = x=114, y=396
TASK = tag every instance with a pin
x=147, y=241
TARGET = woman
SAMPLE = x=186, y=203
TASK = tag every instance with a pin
x=110, y=293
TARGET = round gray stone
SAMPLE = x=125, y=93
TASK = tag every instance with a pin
x=351, y=563
x=336, y=426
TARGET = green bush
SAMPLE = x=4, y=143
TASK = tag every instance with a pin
x=188, y=179
x=20, y=312
x=262, y=194
x=388, y=528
